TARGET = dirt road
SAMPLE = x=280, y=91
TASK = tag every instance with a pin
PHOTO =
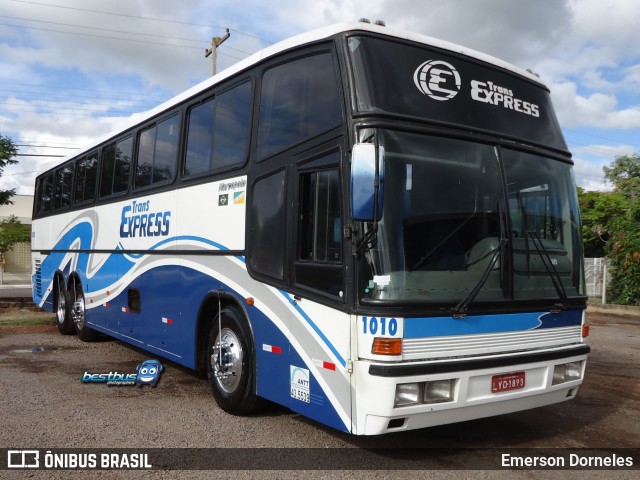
x=46, y=405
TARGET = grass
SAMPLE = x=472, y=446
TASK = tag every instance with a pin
x=26, y=317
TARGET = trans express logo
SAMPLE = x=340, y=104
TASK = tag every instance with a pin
x=139, y=220
x=437, y=79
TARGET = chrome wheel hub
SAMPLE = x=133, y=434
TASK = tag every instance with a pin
x=226, y=360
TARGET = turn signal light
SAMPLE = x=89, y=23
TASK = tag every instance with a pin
x=387, y=346
x=585, y=330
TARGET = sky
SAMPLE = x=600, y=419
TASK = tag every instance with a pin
x=72, y=71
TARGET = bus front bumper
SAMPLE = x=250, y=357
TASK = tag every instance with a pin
x=396, y=397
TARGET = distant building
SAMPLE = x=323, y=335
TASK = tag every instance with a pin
x=18, y=260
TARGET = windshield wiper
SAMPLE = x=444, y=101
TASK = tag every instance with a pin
x=460, y=310
x=549, y=267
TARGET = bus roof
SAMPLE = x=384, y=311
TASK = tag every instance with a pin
x=301, y=40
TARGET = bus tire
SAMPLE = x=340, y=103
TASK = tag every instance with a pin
x=233, y=382
x=79, y=315
x=63, y=315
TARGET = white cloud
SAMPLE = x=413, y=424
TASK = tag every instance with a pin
x=587, y=50
x=596, y=110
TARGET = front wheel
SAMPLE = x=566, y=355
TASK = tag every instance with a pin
x=230, y=364
x=79, y=315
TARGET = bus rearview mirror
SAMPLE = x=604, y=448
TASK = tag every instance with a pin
x=363, y=182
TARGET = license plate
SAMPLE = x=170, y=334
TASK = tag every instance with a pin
x=507, y=381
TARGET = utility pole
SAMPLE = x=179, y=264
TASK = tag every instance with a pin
x=215, y=43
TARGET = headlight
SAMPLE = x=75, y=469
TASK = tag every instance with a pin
x=407, y=394
x=567, y=372
x=439, y=391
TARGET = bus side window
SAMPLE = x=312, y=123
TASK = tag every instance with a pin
x=231, y=127
x=300, y=100
x=218, y=133
x=267, y=238
x=86, y=178
x=116, y=167
x=46, y=194
x=108, y=162
x=199, y=139
x=158, y=152
x=63, y=183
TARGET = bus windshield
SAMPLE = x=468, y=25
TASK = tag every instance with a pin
x=444, y=218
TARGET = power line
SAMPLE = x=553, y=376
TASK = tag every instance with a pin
x=198, y=40
x=38, y=155
x=142, y=18
x=57, y=87
x=599, y=136
x=103, y=29
x=112, y=38
x=19, y=173
x=71, y=95
x=46, y=146
x=19, y=107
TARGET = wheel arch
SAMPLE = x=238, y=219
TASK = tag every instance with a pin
x=58, y=276
x=74, y=277
x=207, y=312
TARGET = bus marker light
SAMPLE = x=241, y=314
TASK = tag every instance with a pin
x=166, y=320
x=585, y=330
x=387, y=346
x=250, y=301
x=124, y=309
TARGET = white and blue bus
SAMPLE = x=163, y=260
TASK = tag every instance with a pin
x=373, y=228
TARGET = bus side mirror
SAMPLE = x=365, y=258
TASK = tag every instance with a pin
x=366, y=183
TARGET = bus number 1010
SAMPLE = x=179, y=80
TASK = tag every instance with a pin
x=381, y=326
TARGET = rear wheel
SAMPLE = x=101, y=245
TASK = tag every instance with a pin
x=230, y=364
x=79, y=315
x=63, y=315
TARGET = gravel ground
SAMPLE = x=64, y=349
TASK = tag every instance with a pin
x=45, y=405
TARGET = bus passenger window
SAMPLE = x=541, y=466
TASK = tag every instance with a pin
x=64, y=180
x=86, y=178
x=218, y=133
x=231, y=127
x=158, y=152
x=144, y=165
x=122, y=169
x=300, y=100
x=116, y=167
x=46, y=194
x=199, y=139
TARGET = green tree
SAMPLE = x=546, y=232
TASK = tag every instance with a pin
x=624, y=175
x=597, y=211
x=623, y=247
x=8, y=151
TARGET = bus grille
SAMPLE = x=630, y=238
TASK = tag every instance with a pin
x=469, y=345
